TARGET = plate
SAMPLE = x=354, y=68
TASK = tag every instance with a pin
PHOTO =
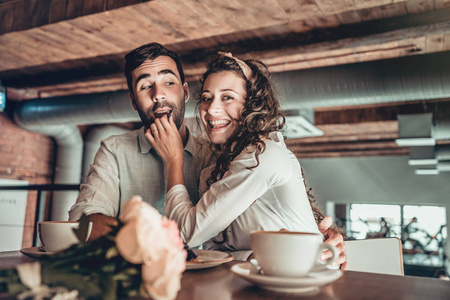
x=303, y=285
x=208, y=259
x=35, y=252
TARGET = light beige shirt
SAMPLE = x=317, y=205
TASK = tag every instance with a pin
x=270, y=196
x=127, y=165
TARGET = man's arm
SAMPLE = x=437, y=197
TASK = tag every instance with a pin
x=101, y=225
x=99, y=196
x=334, y=238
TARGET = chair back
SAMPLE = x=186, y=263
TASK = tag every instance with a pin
x=380, y=255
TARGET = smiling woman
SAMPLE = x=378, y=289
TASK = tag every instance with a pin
x=221, y=104
x=256, y=183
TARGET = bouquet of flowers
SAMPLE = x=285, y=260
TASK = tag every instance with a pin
x=143, y=256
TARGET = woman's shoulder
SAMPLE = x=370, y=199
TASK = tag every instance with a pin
x=275, y=147
x=275, y=156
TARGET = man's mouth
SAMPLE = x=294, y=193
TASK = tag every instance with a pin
x=217, y=124
x=160, y=113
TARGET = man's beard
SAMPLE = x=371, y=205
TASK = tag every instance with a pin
x=177, y=113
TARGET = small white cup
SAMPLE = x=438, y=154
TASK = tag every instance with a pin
x=290, y=254
x=58, y=235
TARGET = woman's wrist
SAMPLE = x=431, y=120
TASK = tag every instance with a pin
x=174, y=173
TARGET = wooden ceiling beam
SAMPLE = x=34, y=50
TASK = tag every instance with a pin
x=384, y=152
x=374, y=113
x=327, y=46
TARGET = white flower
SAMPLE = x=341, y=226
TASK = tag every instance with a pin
x=151, y=239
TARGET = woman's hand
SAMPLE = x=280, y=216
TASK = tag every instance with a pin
x=333, y=238
x=165, y=138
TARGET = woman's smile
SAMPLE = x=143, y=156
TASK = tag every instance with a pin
x=222, y=100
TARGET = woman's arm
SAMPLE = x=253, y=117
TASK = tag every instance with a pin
x=165, y=138
x=228, y=198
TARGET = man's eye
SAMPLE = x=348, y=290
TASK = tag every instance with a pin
x=170, y=83
x=147, y=87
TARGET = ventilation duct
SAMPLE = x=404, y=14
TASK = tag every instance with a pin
x=418, y=77
x=442, y=152
x=415, y=130
x=420, y=132
x=97, y=108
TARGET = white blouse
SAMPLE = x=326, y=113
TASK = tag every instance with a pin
x=271, y=196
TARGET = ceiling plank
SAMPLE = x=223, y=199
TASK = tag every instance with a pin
x=311, y=42
x=384, y=152
x=158, y=21
x=365, y=115
x=439, y=4
x=345, y=140
x=416, y=6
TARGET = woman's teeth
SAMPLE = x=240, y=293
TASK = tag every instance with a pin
x=218, y=123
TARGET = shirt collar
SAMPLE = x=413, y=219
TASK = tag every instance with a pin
x=145, y=145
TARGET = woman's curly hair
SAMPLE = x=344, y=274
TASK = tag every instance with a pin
x=261, y=114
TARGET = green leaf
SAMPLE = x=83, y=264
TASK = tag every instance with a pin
x=90, y=285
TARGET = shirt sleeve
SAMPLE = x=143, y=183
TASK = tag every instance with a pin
x=227, y=198
x=100, y=193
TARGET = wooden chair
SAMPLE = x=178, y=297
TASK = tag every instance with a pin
x=380, y=255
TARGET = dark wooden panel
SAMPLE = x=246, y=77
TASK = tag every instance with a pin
x=93, y=6
x=113, y=4
x=21, y=16
x=74, y=9
x=30, y=13
x=6, y=15
x=16, y=15
x=39, y=12
x=58, y=10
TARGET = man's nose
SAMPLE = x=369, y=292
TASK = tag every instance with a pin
x=158, y=94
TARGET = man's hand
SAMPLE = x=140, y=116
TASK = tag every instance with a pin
x=100, y=225
x=333, y=238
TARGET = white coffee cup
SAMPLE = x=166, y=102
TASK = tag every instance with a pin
x=290, y=254
x=58, y=235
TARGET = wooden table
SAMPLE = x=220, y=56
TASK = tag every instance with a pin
x=220, y=283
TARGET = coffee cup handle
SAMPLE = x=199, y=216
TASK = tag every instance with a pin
x=329, y=261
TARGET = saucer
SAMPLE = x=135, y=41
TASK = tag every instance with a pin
x=35, y=252
x=299, y=285
x=208, y=259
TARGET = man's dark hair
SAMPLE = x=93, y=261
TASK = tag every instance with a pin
x=151, y=51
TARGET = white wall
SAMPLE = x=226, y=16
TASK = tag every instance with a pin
x=12, y=215
x=375, y=180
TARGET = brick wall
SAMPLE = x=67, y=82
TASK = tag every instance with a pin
x=26, y=156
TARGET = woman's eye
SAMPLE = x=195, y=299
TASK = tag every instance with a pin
x=206, y=99
x=227, y=98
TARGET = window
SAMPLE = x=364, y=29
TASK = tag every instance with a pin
x=425, y=227
x=373, y=220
